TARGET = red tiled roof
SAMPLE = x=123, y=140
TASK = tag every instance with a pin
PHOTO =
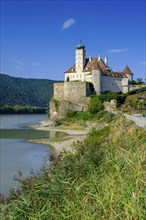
x=114, y=74
x=95, y=64
x=92, y=65
x=72, y=69
x=127, y=70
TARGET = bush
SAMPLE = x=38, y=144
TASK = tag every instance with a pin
x=108, y=117
x=120, y=98
x=58, y=122
x=70, y=113
x=95, y=105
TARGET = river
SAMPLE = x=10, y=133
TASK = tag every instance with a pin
x=18, y=154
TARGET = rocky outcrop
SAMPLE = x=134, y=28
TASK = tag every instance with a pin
x=59, y=108
x=69, y=96
x=110, y=105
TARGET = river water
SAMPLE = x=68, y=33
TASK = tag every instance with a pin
x=18, y=154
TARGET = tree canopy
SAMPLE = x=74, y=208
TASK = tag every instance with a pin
x=25, y=92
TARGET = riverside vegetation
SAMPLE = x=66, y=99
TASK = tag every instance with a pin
x=18, y=109
x=102, y=179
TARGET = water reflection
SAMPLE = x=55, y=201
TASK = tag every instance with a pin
x=18, y=154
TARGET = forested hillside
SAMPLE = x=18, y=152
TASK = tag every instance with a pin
x=25, y=92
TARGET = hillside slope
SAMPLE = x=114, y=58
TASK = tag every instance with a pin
x=21, y=91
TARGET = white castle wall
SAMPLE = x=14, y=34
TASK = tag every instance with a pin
x=115, y=84
x=81, y=76
x=96, y=80
x=101, y=83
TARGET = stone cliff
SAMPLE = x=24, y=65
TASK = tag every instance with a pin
x=69, y=96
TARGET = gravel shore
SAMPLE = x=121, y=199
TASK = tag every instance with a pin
x=66, y=142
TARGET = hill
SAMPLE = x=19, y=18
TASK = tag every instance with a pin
x=25, y=92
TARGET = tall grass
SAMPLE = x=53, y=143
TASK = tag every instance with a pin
x=83, y=117
x=103, y=179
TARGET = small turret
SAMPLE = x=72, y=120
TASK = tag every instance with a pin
x=80, y=46
x=90, y=58
x=106, y=61
x=99, y=57
x=127, y=71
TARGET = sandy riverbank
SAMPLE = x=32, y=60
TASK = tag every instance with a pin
x=64, y=143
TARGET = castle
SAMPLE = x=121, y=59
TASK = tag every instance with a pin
x=97, y=71
x=87, y=76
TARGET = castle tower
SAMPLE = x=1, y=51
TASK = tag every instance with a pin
x=127, y=71
x=80, y=57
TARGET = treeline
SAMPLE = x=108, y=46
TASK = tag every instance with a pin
x=17, y=109
x=139, y=81
x=25, y=92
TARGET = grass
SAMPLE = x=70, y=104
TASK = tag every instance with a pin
x=79, y=119
x=103, y=179
x=71, y=126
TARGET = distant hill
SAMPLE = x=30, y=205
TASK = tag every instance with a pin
x=26, y=92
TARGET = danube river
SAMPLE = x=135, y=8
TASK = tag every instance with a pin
x=18, y=154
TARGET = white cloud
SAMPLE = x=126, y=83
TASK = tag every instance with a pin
x=118, y=50
x=18, y=67
x=68, y=23
x=35, y=64
x=18, y=62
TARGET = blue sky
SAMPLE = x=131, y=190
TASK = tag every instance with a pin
x=38, y=38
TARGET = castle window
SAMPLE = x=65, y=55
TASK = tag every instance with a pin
x=77, y=75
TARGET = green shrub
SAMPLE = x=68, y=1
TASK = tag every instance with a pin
x=56, y=103
x=82, y=117
x=120, y=98
x=135, y=101
x=108, y=117
x=70, y=113
x=58, y=122
x=95, y=105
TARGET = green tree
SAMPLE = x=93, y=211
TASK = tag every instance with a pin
x=16, y=108
x=139, y=80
